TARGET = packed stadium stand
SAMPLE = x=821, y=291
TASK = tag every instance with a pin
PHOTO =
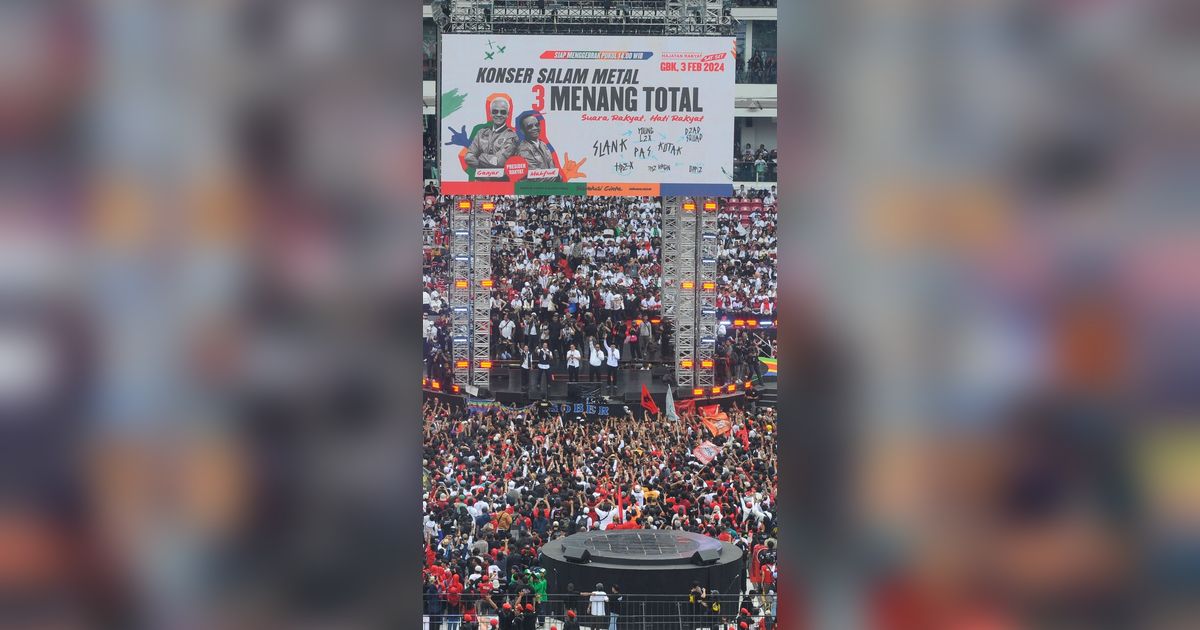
x=576, y=287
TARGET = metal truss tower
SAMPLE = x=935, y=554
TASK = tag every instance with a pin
x=481, y=291
x=670, y=257
x=683, y=287
x=460, y=290
x=706, y=285
x=470, y=290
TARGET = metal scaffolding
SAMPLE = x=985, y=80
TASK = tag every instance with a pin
x=460, y=289
x=625, y=17
x=684, y=288
x=698, y=17
x=706, y=284
x=670, y=257
x=481, y=290
x=466, y=16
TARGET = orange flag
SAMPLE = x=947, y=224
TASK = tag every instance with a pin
x=718, y=424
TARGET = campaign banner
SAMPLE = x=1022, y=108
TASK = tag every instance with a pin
x=586, y=115
x=706, y=452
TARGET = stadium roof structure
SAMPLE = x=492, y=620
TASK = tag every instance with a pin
x=622, y=17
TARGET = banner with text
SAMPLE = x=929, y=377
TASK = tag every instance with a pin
x=601, y=116
x=706, y=452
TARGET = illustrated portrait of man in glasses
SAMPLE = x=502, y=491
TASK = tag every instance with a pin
x=495, y=143
x=538, y=155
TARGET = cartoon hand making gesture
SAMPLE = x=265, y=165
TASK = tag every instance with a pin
x=459, y=138
x=570, y=169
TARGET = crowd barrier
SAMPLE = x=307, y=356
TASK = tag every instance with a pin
x=632, y=612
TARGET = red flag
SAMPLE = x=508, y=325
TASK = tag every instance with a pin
x=710, y=410
x=685, y=406
x=647, y=401
x=620, y=507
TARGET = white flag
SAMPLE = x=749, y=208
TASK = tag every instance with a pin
x=670, y=405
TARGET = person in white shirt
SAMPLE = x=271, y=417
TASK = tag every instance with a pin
x=526, y=364
x=573, y=357
x=638, y=495
x=597, y=601
x=596, y=360
x=613, y=361
x=531, y=329
x=544, y=358
x=506, y=328
x=606, y=512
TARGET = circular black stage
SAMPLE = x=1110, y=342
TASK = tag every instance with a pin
x=651, y=562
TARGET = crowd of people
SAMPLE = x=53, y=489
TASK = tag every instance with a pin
x=762, y=68
x=500, y=484
x=747, y=254
x=578, y=285
x=769, y=197
x=759, y=165
x=577, y=278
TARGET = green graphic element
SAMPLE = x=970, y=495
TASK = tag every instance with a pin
x=494, y=47
x=452, y=101
x=525, y=187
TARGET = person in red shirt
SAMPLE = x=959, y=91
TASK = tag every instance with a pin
x=485, y=594
x=632, y=523
x=454, y=600
x=766, y=583
x=755, y=567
